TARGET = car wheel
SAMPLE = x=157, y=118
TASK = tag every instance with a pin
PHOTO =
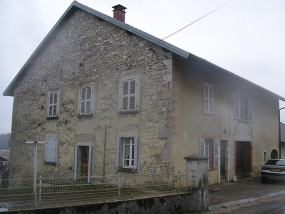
x=263, y=180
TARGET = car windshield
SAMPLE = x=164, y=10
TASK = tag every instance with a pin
x=276, y=162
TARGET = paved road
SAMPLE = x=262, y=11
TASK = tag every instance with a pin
x=243, y=189
x=275, y=205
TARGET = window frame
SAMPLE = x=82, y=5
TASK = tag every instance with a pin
x=205, y=150
x=243, y=107
x=57, y=91
x=209, y=99
x=56, y=149
x=120, y=151
x=92, y=99
x=136, y=94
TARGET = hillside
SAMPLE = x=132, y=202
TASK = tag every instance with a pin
x=4, y=141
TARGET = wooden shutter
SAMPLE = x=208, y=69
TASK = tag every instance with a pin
x=136, y=153
x=50, y=150
x=132, y=102
x=75, y=162
x=236, y=106
x=216, y=154
x=125, y=96
x=118, y=152
x=206, y=98
x=202, y=147
x=86, y=100
x=89, y=163
x=82, y=102
x=250, y=109
x=52, y=104
x=210, y=99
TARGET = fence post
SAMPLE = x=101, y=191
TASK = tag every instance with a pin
x=119, y=184
x=40, y=190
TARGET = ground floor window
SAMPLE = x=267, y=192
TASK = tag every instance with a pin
x=210, y=148
x=127, y=152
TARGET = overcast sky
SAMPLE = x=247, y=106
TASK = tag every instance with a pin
x=244, y=37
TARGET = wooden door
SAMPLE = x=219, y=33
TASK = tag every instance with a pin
x=84, y=160
x=223, y=160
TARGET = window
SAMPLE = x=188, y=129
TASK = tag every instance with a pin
x=264, y=156
x=242, y=107
x=129, y=94
x=51, y=149
x=208, y=98
x=86, y=98
x=127, y=152
x=210, y=149
x=86, y=101
x=53, y=98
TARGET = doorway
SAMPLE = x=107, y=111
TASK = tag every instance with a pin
x=243, y=158
x=223, y=159
x=83, y=160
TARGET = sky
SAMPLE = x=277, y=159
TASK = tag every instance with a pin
x=244, y=37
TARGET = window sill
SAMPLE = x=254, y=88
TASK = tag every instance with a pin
x=127, y=169
x=50, y=163
x=52, y=118
x=244, y=121
x=128, y=112
x=84, y=115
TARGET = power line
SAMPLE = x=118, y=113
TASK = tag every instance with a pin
x=193, y=22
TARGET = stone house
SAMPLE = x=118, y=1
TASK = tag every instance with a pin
x=109, y=98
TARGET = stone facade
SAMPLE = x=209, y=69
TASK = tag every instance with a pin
x=85, y=49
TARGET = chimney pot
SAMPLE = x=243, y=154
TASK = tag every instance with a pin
x=119, y=12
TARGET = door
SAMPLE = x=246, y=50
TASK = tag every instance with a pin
x=243, y=158
x=223, y=160
x=84, y=158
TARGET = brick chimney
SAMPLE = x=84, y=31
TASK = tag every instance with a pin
x=119, y=12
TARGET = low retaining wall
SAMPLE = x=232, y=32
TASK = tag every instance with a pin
x=178, y=203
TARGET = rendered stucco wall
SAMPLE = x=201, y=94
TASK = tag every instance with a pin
x=85, y=49
x=193, y=124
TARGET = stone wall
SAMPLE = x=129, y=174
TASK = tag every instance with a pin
x=86, y=49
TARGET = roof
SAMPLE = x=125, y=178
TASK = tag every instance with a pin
x=178, y=51
x=282, y=132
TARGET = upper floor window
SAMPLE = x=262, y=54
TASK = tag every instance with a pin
x=242, y=107
x=208, y=98
x=129, y=94
x=86, y=100
x=53, y=107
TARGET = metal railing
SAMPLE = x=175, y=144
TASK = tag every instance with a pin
x=51, y=191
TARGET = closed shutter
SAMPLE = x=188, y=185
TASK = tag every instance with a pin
x=236, y=106
x=75, y=162
x=216, y=154
x=210, y=99
x=136, y=153
x=202, y=147
x=250, y=109
x=206, y=98
x=86, y=100
x=118, y=152
x=129, y=88
x=50, y=149
x=52, y=105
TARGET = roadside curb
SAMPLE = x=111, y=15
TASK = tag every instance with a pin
x=243, y=201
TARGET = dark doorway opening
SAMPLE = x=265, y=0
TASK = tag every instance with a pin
x=83, y=160
x=223, y=159
x=274, y=154
x=243, y=159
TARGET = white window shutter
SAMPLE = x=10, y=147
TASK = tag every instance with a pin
x=236, y=106
x=89, y=163
x=118, y=152
x=136, y=153
x=216, y=154
x=202, y=147
x=206, y=98
x=50, y=149
x=210, y=99
x=250, y=109
x=75, y=162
